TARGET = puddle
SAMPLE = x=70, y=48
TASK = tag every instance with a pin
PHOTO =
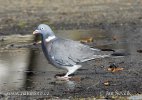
x=28, y=69
x=13, y=64
x=135, y=97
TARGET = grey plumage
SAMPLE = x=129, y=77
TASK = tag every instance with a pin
x=65, y=53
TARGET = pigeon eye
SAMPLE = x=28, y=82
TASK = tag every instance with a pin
x=42, y=28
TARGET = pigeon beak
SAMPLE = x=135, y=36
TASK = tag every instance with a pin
x=36, y=32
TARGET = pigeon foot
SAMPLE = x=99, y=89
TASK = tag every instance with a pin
x=63, y=78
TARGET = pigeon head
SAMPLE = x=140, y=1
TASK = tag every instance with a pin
x=44, y=30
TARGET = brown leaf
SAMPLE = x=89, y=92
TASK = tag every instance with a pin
x=87, y=40
x=115, y=69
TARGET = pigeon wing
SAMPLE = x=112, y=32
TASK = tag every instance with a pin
x=68, y=52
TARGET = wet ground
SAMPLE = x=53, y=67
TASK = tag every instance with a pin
x=113, y=25
x=25, y=69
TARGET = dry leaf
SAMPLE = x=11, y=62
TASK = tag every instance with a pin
x=87, y=40
x=114, y=68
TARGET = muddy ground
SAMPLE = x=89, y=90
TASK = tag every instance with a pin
x=118, y=20
x=21, y=17
x=93, y=80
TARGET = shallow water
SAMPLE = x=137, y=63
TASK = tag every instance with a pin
x=27, y=69
x=13, y=64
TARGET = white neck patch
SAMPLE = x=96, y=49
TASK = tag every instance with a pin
x=50, y=38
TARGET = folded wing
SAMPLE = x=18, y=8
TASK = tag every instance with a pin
x=68, y=52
